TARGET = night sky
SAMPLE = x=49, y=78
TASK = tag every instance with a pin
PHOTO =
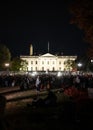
x=36, y=23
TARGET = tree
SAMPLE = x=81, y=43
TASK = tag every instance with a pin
x=70, y=65
x=5, y=56
x=24, y=64
x=82, y=16
x=18, y=64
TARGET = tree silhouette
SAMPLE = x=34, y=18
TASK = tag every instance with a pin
x=82, y=16
x=5, y=56
x=17, y=64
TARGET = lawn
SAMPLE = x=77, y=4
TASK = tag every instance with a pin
x=18, y=116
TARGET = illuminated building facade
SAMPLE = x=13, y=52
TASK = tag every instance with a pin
x=46, y=62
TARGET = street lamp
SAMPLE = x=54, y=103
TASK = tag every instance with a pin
x=79, y=66
x=91, y=65
x=7, y=65
x=7, y=68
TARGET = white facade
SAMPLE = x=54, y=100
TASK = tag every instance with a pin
x=46, y=62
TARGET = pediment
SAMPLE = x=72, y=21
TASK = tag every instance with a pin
x=48, y=55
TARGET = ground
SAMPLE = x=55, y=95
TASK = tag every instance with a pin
x=19, y=116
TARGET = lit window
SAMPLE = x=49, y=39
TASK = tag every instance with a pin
x=42, y=68
x=31, y=68
x=53, y=62
x=42, y=62
x=48, y=62
x=53, y=68
x=36, y=68
x=31, y=62
x=59, y=68
x=59, y=62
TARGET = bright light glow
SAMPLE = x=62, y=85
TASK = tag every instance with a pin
x=6, y=64
x=59, y=74
x=34, y=73
x=46, y=72
x=79, y=64
x=92, y=61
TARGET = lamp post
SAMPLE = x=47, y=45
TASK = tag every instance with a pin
x=7, y=68
x=6, y=65
x=91, y=66
x=79, y=66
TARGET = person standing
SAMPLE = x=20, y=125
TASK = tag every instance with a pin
x=38, y=84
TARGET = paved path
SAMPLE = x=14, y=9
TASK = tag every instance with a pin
x=9, y=89
x=14, y=93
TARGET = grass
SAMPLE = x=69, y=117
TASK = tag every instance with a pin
x=20, y=117
x=23, y=117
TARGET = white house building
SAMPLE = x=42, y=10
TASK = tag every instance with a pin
x=46, y=62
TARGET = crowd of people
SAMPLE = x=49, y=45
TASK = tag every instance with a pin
x=69, y=84
x=45, y=81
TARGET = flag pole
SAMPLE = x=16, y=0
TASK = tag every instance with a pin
x=48, y=47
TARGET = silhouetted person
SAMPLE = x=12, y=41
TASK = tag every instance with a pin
x=51, y=99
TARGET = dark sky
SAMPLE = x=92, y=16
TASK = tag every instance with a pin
x=22, y=24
